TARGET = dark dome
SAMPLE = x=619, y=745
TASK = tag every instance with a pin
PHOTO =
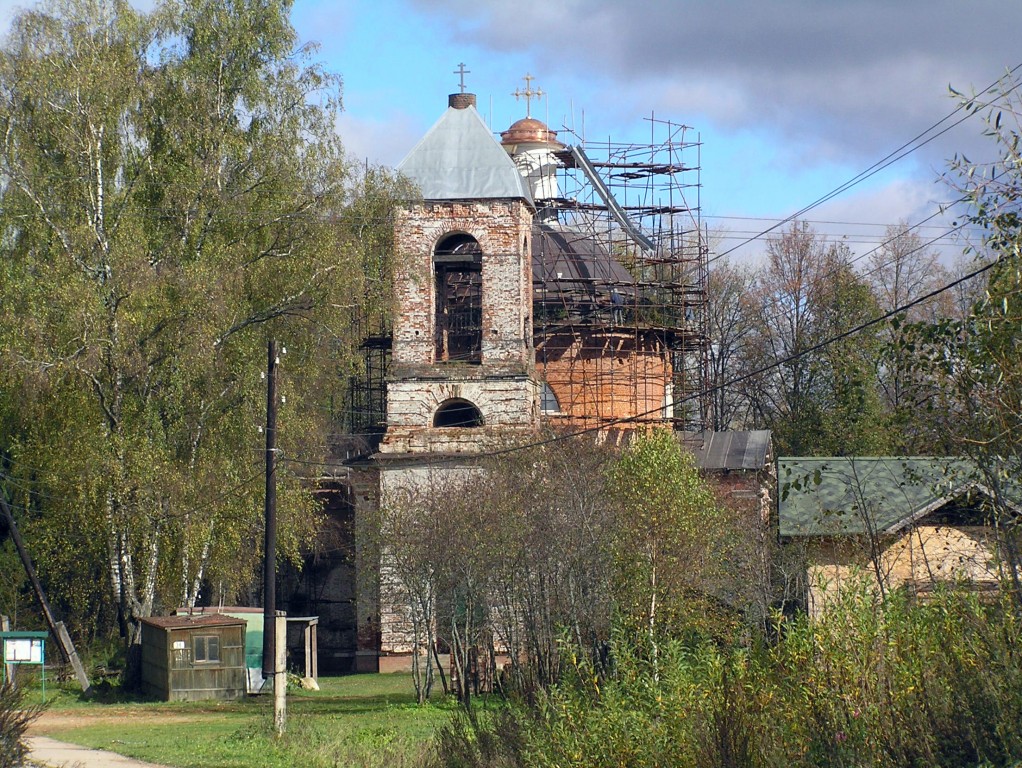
x=564, y=258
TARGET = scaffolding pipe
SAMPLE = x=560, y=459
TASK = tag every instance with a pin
x=612, y=204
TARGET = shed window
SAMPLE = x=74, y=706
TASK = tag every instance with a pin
x=205, y=648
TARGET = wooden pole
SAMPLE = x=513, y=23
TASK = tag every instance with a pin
x=5, y=626
x=57, y=629
x=280, y=673
x=270, y=530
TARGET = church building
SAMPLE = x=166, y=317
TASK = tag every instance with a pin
x=535, y=284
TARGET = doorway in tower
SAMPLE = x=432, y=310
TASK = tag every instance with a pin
x=325, y=586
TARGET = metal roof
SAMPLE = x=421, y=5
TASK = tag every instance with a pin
x=729, y=450
x=566, y=259
x=846, y=496
x=192, y=622
x=460, y=159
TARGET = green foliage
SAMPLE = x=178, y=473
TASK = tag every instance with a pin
x=677, y=550
x=15, y=717
x=897, y=684
x=817, y=392
x=970, y=364
x=175, y=193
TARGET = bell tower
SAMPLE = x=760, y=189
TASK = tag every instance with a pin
x=462, y=366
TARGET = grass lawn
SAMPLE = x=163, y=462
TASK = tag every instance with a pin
x=359, y=720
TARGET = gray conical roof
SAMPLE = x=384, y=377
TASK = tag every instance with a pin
x=459, y=159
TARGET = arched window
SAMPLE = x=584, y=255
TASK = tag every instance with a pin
x=457, y=413
x=548, y=400
x=457, y=264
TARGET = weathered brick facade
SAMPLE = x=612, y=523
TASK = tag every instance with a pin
x=600, y=375
x=502, y=385
x=502, y=228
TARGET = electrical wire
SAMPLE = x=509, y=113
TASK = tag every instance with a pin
x=902, y=151
x=427, y=460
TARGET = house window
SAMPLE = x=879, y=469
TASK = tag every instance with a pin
x=205, y=649
x=457, y=413
x=457, y=265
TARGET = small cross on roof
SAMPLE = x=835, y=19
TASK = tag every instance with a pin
x=461, y=72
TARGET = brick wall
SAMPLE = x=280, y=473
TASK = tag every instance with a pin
x=605, y=375
x=503, y=230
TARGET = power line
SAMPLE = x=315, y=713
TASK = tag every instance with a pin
x=886, y=161
x=878, y=267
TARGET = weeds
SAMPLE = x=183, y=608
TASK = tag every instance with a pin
x=886, y=684
x=15, y=717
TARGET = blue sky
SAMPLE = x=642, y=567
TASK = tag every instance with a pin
x=790, y=98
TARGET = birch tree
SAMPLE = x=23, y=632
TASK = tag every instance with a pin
x=676, y=547
x=732, y=318
x=168, y=185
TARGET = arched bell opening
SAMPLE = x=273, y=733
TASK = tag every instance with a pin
x=458, y=270
x=457, y=413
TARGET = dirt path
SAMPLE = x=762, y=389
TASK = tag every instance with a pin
x=49, y=752
x=56, y=754
x=49, y=722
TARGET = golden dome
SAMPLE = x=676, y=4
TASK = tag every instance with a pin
x=529, y=130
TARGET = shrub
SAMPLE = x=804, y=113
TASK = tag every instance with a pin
x=15, y=718
x=885, y=684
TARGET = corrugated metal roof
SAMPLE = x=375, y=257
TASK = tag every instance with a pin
x=459, y=159
x=729, y=450
x=192, y=622
x=839, y=496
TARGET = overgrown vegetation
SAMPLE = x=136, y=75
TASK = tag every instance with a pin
x=15, y=716
x=883, y=684
x=174, y=195
x=542, y=547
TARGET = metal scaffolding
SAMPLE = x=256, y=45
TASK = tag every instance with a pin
x=619, y=264
x=632, y=261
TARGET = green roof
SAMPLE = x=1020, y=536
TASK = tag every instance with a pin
x=838, y=496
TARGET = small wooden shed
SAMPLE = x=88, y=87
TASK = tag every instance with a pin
x=189, y=658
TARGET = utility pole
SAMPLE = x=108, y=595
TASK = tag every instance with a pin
x=270, y=530
x=57, y=628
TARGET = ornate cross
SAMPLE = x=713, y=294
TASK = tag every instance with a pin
x=528, y=93
x=461, y=72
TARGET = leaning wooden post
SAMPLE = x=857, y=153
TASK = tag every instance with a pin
x=57, y=629
x=280, y=672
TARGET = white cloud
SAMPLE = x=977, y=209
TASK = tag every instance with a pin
x=838, y=76
x=382, y=140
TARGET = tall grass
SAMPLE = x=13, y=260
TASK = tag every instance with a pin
x=15, y=717
x=889, y=684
